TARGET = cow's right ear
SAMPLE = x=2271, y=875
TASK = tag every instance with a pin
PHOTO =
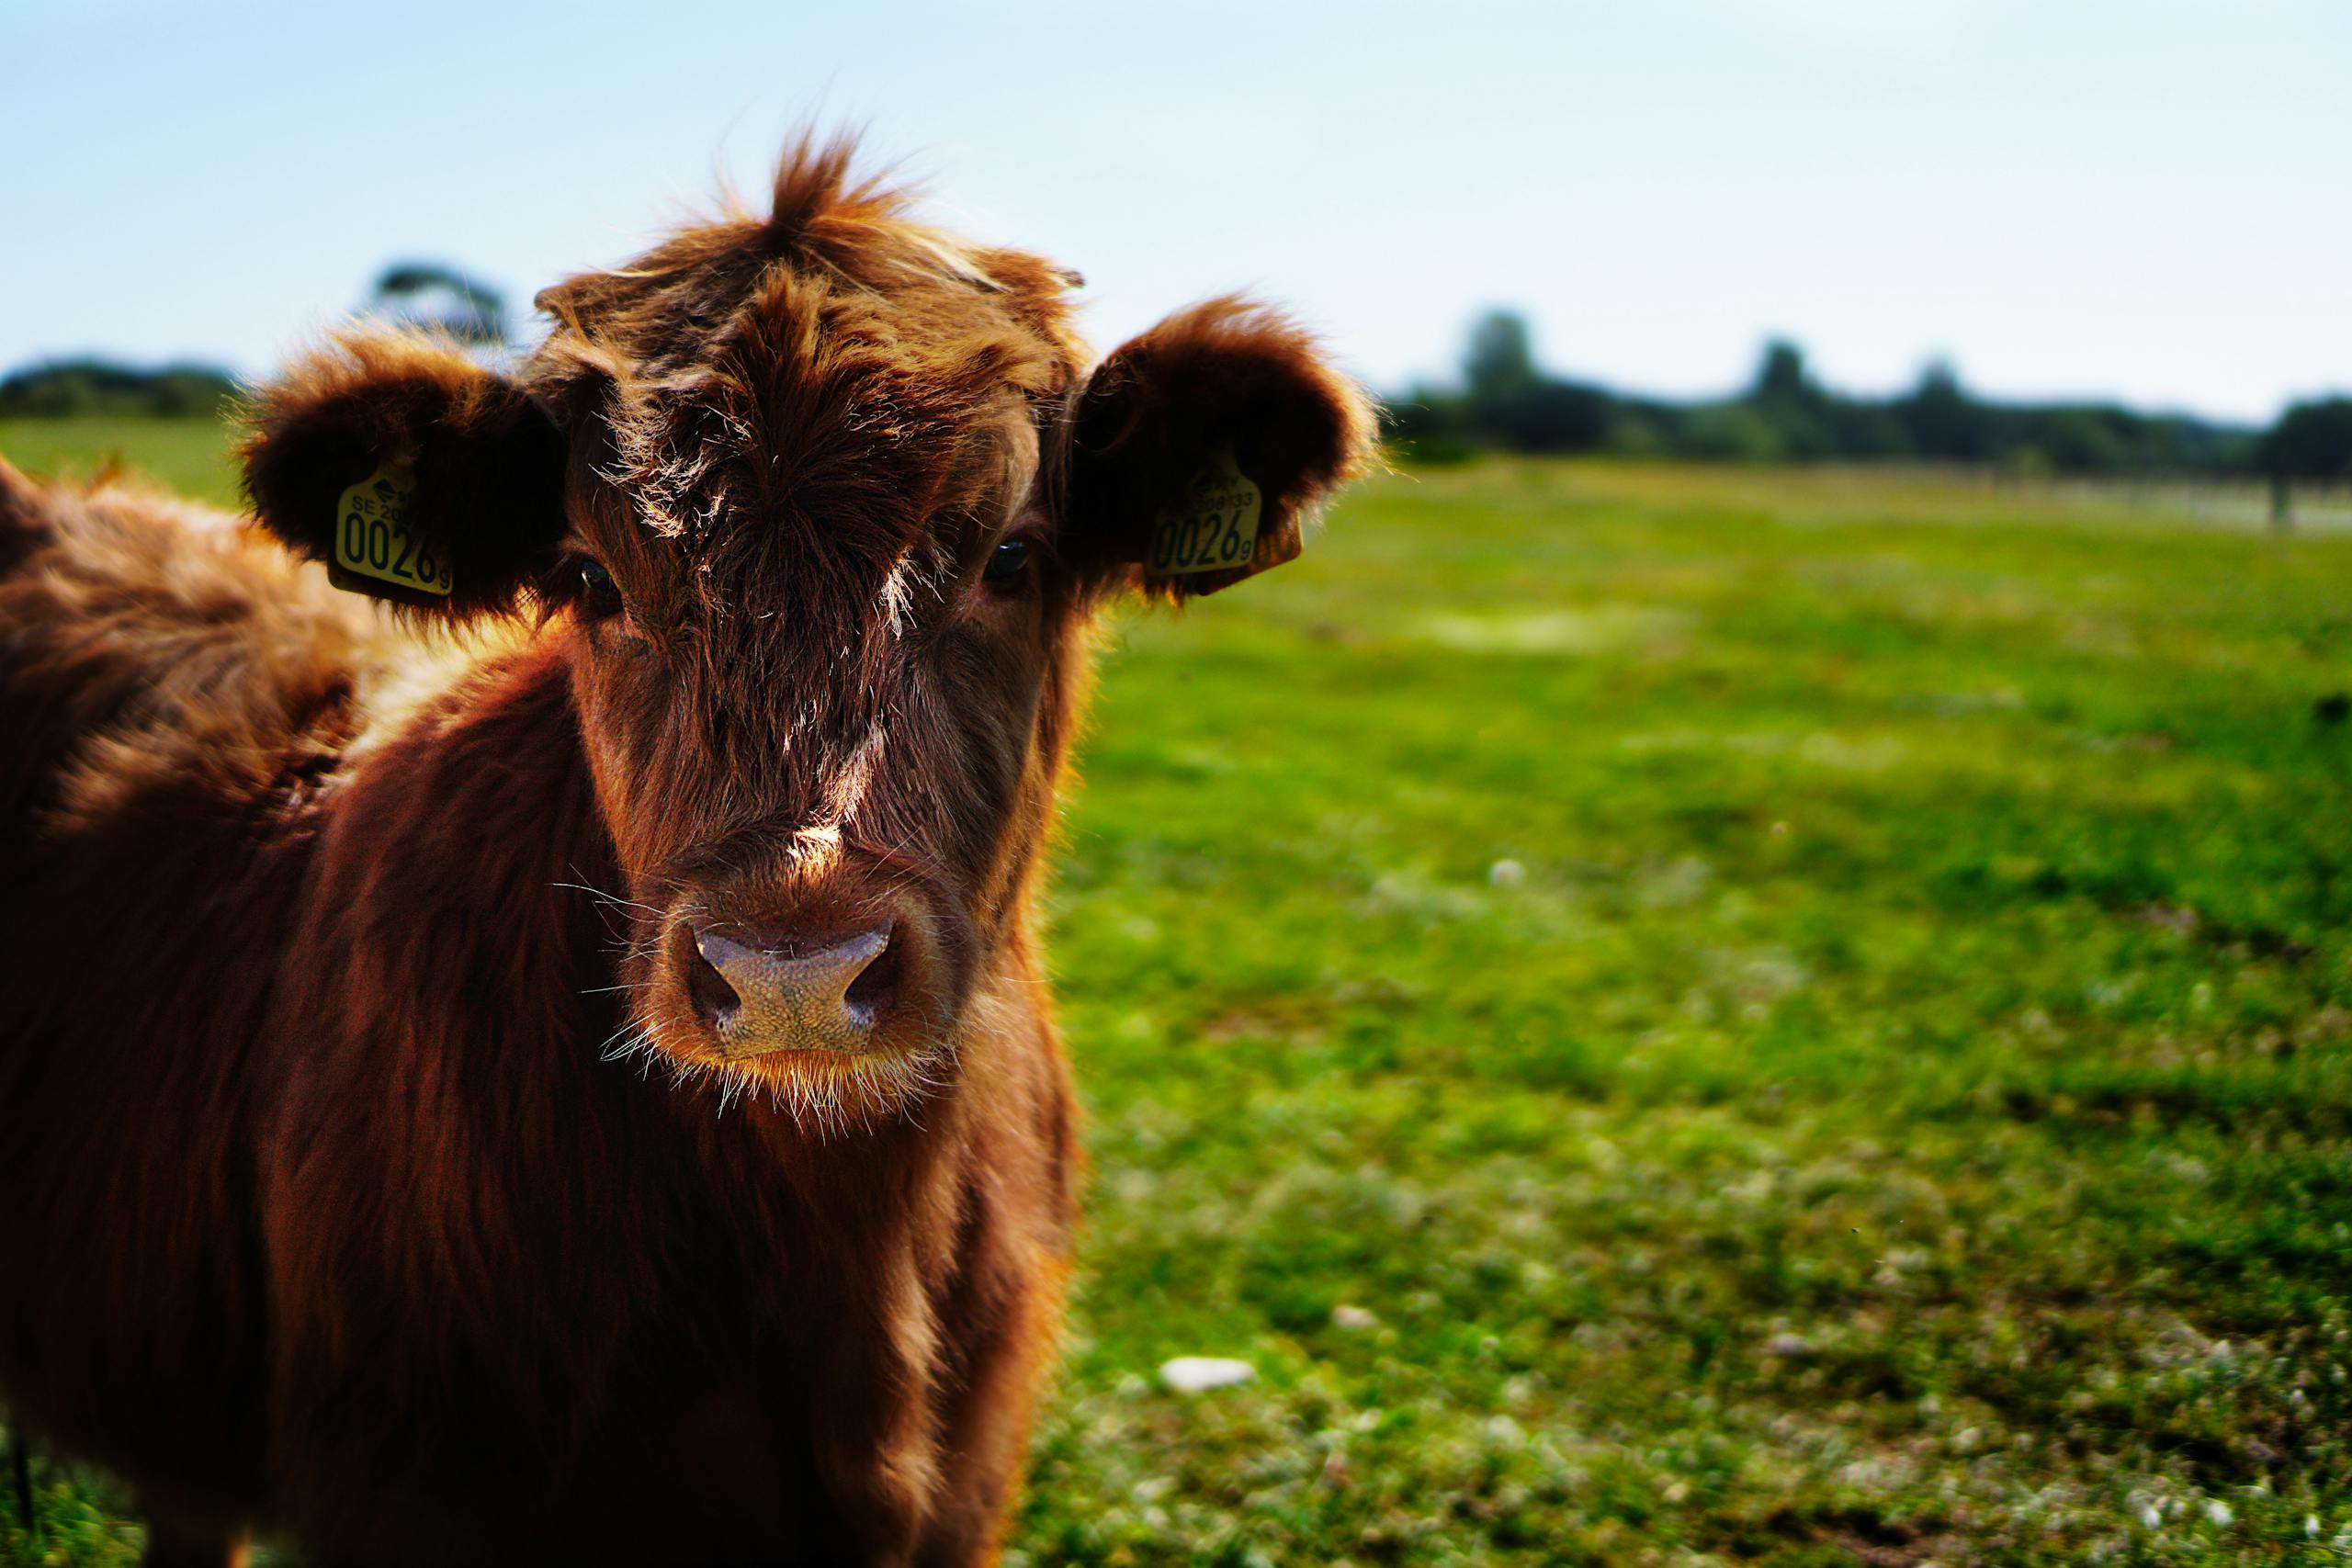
x=417, y=475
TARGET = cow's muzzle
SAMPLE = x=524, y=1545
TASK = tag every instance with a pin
x=823, y=993
x=851, y=968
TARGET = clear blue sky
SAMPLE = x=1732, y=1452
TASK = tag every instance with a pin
x=2130, y=198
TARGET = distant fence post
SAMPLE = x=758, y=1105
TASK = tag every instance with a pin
x=20, y=1467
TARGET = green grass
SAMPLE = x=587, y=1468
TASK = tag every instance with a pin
x=1814, y=1010
x=189, y=457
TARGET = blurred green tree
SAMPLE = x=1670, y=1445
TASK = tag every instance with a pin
x=443, y=299
x=1511, y=402
x=1942, y=421
x=1781, y=376
x=2311, y=441
x=1500, y=360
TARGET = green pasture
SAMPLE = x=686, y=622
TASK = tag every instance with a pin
x=1683, y=1016
x=188, y=456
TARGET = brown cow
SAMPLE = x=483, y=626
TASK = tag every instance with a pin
x=338, y=1202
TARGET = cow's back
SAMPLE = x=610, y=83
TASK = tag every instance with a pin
x=148, y=644
x=172, y=688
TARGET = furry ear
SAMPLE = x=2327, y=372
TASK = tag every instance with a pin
x=1220, y=418
x=416, y=474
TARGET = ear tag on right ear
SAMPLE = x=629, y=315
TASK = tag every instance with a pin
x=1211, y=526
x=376, y=551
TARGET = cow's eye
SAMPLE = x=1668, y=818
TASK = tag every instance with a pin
x=600, y=596
x=1008, y=560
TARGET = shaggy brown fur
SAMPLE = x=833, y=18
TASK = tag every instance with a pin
x=336, y=1204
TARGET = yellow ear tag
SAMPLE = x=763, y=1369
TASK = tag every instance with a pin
x=374, y=543
x=1212, y=526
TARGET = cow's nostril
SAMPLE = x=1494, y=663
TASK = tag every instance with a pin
x=715, y=1000
x=869, y=993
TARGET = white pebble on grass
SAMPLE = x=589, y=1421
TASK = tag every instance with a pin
x=1505, y=873
x=1193, y=1374
x=1355, y=1319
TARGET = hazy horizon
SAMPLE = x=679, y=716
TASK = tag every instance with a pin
x=2090, y=200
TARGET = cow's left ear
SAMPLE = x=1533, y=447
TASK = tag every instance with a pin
x=1195, y=452
x=417, y=475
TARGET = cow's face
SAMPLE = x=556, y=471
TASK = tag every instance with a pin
x=817, y=508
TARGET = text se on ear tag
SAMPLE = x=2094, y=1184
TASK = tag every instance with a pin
x=1211, y=526
x=376, y=550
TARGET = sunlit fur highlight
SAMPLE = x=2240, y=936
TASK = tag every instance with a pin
x=373, y=1176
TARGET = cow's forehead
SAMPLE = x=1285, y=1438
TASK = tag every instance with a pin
x=866, y=409
x=855, y=455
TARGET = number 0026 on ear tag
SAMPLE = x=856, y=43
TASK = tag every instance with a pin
x=373, y=541
x=1212, y=526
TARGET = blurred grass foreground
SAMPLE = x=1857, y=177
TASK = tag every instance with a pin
x=1687, y=1015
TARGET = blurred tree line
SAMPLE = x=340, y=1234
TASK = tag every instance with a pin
x=1509, y=402
x=425, y=294
x=59, y=388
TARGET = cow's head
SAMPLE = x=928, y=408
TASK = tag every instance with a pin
x=818, y=505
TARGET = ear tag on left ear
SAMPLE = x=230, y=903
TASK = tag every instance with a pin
x=1211, y=526
x=376, y=550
